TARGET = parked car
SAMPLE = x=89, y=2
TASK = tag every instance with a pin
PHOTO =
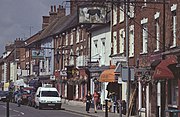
x=26, y=93
x=47, y=97
x=31, y=99
x=3, y=95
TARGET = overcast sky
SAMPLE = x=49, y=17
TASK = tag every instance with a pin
x=20, y=18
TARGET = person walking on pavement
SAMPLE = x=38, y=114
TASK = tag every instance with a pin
x=96, y=100
x=19, y=98
x=88, y=101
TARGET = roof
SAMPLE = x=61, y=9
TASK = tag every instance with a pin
x=47, y=89
x=59, y=25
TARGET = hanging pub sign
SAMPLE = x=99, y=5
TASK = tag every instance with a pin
x=93, y=14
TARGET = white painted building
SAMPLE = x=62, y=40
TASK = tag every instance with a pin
x=100, y=51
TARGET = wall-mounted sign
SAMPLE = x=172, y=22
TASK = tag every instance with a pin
x=126, y=73
x=93, y=64
x=37, y=53
x=35, y=68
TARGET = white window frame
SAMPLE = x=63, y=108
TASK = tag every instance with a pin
x=144, y=23
x=156, y=17
x=114, y=14
x=121, y=40
x=77, y=35
x=174, y=26
x=121, y=11
x=115, y=42
x=131, y=10
x=95, y=46
x=71, y=43
x=103, y=51
x=66, y=39
x=131, y=41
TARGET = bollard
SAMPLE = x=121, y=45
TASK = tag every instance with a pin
x=106, y=106
x=120, y=109
x=7, y=106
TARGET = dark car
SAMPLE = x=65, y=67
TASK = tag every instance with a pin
x=26, y=94
x=3, y=95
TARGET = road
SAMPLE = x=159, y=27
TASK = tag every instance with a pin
x=26, y=111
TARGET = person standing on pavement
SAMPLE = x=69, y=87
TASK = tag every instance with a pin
x=88, y=101
x=19, y=98
x=96, y=100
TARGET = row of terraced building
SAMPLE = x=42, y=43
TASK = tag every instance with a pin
x=77, y=57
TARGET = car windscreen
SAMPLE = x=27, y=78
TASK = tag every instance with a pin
x=49, y=94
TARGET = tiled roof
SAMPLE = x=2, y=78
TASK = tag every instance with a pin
x=59, y=25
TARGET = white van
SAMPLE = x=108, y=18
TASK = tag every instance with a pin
x=47, y=97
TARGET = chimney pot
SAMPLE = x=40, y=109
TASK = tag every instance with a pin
x=51, y=8
x=54, y=8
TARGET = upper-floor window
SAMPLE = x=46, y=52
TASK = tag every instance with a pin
x=77, y=35
x=121, y=17
x=157, y=31
x=131, y=41
x=174, y=25
x=173, y=92
x=114, y=15
x=144, y=40
x=131, y=11
x=145, y=4
x=96, y=46
x=121, y=40
x=103, y=51
x=66, y=39
x=115, y=43
x=71, y=38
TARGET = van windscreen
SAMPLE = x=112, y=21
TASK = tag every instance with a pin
x=49, y=94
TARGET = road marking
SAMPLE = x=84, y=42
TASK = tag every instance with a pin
x=16, y=111
x=21, y=113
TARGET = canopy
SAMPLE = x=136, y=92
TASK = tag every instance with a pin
x=162, y=71
x=107, y=76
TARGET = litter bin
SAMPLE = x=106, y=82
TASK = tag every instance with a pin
x=172, y=113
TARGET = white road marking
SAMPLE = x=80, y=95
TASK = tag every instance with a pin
x=21, y=113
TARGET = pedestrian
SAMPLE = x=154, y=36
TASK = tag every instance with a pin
x=88, y=101
x=96, y=100
x=19, y=98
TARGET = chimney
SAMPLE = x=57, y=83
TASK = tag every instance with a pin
x=61, y=12
x=45, y=21
x=52, y=14
x=73, y=5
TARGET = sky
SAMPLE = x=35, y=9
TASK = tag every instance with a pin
x=22, y=18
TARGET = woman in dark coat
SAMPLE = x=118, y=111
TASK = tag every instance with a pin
x=88, y=101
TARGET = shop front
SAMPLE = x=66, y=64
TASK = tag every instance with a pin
x=167, y=73
x=110, y=88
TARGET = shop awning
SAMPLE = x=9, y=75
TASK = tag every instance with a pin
x=162, y=71
x=107, y=76
x=155, y=63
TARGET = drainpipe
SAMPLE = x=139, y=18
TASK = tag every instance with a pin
x=163, y=83
x=139, y=95
x=147, y=101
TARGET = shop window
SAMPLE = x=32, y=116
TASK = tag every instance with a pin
x=173, y=92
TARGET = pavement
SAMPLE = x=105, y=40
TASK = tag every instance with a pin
x=80, y=108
